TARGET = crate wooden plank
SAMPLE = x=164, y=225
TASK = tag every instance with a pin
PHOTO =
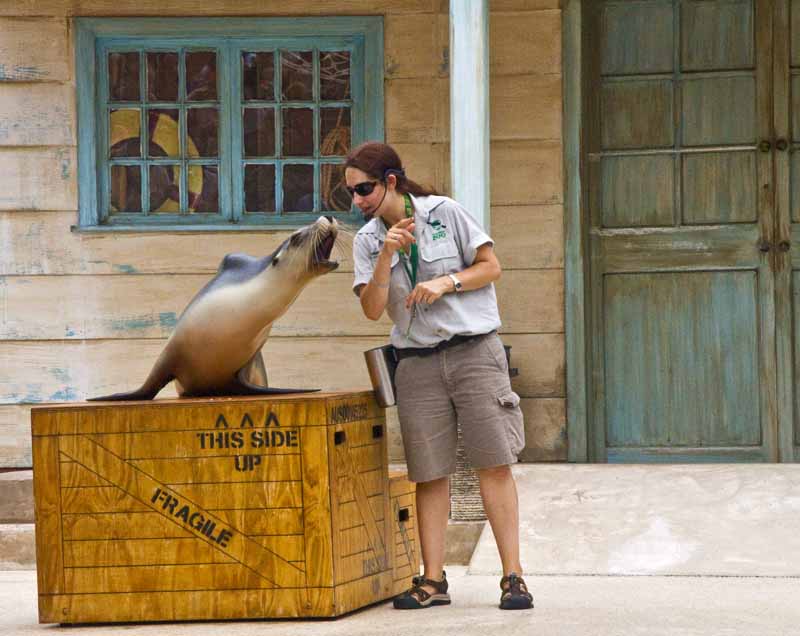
x=198, y=470
x=47, y=493
x=130, y=552
x=183, y=606
x=155, y=578
x=99, y=499
x=367, y=458
x=372, y=482
x=349, y=596
x=186, y=416
x=73, y=475
x=196, y=443
x=288, y=547
x=146, y=525
x=317, y=507
x=350, y=511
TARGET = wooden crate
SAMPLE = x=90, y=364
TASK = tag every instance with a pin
x=217, y=509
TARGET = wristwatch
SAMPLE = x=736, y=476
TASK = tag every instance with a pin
x=457, y=283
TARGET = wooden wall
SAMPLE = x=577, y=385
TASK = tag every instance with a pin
x=87, y=314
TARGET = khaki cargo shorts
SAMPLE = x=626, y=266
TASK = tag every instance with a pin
x=467, y=384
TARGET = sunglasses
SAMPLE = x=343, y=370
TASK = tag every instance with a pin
x=362, y=189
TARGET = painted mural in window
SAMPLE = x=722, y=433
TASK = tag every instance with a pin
x=293, y=111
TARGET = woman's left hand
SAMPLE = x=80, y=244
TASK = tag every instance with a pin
x=429, y=292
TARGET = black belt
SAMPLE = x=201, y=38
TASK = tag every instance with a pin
x=409, y=352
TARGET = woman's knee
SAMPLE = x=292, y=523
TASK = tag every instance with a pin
x=494, y=473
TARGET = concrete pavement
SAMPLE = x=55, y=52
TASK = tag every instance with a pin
x=565, y=606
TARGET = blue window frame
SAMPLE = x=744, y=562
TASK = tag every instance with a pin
x=222, y=123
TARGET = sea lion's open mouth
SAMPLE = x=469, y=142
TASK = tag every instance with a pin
x=322, y=253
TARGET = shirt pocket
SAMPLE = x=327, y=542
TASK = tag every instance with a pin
x=439, y=257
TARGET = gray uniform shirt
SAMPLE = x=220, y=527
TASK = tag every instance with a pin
x=448, y=239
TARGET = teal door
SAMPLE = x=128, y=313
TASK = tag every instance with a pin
x=693, y=236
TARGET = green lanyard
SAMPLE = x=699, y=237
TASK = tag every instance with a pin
x=412, y=270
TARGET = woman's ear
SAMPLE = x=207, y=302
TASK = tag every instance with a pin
x=391, y=181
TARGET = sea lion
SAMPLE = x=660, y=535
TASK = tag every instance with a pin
x=216, y=346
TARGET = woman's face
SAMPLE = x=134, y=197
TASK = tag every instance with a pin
x=367, y=203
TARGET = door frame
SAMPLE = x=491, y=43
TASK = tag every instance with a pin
x=575, y=239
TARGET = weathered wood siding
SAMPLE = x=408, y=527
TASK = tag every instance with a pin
x=87, y=314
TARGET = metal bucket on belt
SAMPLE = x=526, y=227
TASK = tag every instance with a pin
x=381, y=364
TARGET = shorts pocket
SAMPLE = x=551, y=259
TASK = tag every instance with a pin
x=508, y=399
x=515, y=427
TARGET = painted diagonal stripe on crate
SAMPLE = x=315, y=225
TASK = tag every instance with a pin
x=154, y=494
x=362, y=499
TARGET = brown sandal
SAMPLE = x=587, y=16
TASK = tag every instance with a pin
x=515, y=593
x=417, y=597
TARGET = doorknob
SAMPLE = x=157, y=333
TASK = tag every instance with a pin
x=784, y=246
x=763, y=246
x=781, y=144
x=764, y=146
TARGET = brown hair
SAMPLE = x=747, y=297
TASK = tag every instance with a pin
x=379, y=160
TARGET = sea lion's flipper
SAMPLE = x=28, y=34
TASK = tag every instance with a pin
x=159, y=377
x=244, y=385
x=254, y=372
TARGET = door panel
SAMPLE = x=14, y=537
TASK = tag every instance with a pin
x=681, y=202
x=675, y=317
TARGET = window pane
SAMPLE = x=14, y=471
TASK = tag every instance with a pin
x=201, y=76
x=296, y=75
x=123, y=77
x=162, y=77
x=259, y=132
x=203, y=188
x=162, y=133
x=126, y=189
x=124, y=133
x=334, y=75
x=258, y=79
x=298, y=132
x=203, y=124
x=259, y=188
x=165, y=193
x=334, y=131
x=298, y=188
x=332, y=190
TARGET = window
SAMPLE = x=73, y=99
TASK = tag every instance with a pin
x=222, y=123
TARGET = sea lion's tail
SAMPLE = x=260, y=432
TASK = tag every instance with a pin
x=159, y=377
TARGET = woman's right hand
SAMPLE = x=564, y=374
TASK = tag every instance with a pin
x=400, y=236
